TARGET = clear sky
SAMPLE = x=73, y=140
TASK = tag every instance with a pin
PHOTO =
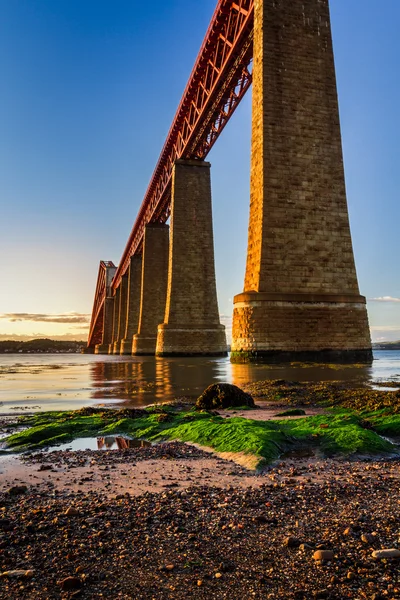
x=88, y=90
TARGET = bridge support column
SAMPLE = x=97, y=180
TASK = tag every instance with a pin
x=301, y=298
x=121, y=323
x=133, y=308
x=115, y=320
x=153, y=288
x=191, y=325
x=104, y=347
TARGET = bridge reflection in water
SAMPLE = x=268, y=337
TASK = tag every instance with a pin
x=140, y=382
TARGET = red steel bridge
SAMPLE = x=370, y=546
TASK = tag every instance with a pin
x=220, y=78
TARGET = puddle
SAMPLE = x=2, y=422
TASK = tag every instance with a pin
x=101, y=443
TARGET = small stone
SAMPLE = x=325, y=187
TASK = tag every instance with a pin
x=350, y=575
x=17, y=489
x=386, y=553
x=19, y=573
x=367, y=538
x=323, y=555
x=218, y=575
x=199, y=582
x=348, y=531
x=291, y=542
x=72, y=512
x=169, y=567
x=305, y=547
x=70, y=583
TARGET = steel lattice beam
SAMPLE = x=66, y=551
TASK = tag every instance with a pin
x=220, y=78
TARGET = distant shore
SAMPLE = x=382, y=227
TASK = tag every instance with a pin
x=41, y=346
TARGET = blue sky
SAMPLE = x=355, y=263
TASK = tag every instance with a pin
x=88, y=90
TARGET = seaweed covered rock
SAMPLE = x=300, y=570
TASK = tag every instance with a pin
x=223, y=395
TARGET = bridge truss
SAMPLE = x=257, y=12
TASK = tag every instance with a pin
x=220, y=78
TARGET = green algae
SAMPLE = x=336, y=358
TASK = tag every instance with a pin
x=291, y=412
x=341, y=431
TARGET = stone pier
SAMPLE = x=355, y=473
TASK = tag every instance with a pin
x=104, y=347
x=115, y=319
x=191, y=325
x=301, y=299
x=153, y=288
x=133, y=305
x=123, y=297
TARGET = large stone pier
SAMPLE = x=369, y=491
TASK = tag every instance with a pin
x=191, y=325
x=301, y=298
x=153, y=288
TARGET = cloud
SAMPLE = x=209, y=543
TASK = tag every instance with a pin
x=68, y=318
x=384, y=299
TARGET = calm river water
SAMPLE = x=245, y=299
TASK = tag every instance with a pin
x=37, y=382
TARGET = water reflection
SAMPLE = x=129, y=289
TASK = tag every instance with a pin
x=120, y=443
x=140, y=381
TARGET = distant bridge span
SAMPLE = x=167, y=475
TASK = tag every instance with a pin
x=220, y=78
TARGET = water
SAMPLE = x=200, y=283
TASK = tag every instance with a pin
x=30, y=383
x=117, y=442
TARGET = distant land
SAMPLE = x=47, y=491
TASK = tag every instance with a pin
x=387, y=345
x=47, y=346
x=41, y=346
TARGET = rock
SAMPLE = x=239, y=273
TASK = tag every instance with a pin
x=305, y=547
x=17, y=489
x=19, y=573
x=386, y=553
x=323, y=555
x=291, y=542
x=348, y=531
x=5, y=524
x=223, y=395
x=227, y=566
x=218, y=575
x=368, y=538
x=70, y=583
x=72, y=512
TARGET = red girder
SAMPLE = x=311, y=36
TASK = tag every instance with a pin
x=96, y=323
x=218, y=82
x=220, y=78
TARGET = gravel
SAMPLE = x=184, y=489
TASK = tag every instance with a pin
x=307, y=531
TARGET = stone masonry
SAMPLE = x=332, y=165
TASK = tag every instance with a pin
x=123, y=299
x=191, y=324
x=133, y=303
x=103, y=348
x=115, y=320
x=153, y=288
x=301, y=296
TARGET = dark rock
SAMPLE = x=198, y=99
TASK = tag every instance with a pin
x=17, y=489
x=291, y=542
x=223, y=395
x=70, y=584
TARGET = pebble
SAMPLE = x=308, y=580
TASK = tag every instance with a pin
x=19, y=573
x=70, y=583
x=386, y=553
x=323, y=555
x=72, y=512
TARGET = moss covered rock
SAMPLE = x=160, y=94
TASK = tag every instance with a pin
x=223, y=395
